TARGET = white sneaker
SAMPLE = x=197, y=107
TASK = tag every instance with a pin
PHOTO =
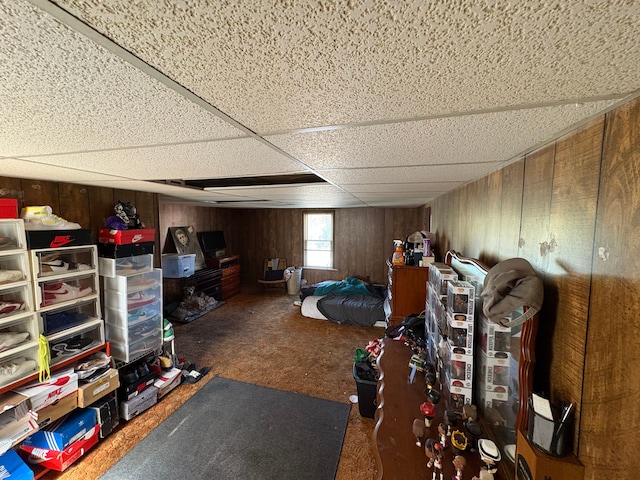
x=11, y=339
x=15, y=369
x=42, y=218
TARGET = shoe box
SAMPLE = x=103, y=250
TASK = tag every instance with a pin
x=43, y=394
x=14, y=467
x=124, y=237
x=58, y=409
x=89, y=392
x=16, y=421
x=107, y=413
x=63, y=432
x=59, y=238
x=59, y=460
x=138, y=404
x=167, y=381
x=134, y=379
x=8, y=208
x=110, y=250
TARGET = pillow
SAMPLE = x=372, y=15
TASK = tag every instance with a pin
x=274, y=274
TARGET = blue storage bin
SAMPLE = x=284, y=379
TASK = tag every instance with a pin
x=176, y=265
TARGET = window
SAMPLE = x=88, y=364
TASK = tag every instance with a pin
x=318, y=239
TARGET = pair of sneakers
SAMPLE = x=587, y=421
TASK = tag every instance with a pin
x=43, y=218
x=167, y=328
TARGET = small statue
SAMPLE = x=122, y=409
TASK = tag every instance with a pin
x=433, y=450
x=470, y=412
x=442, y=431
x=450, y=420
x=490, y=456
x=419, y=431
x=428, y=411
x=459, y=463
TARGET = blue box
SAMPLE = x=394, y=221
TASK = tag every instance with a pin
x=12, y=464
x=176, y=265
x=63, y=432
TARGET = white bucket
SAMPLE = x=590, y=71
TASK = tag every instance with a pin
x=293, y=284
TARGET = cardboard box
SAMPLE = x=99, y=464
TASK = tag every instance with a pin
x=58, y=409
x=8, y=208
x=494, y=372
x=18, y=430
x=168, y=381
x=13, y=467
x=43, y=394
x=58, y=238
x=107, y=413
x=64, y=431
x=460, y=334
x=88, y=393
x=112, y=250
x=495, y=340
x=461, y=299
x=175, y=265
x=458, y=397
x=123, y=237
x=60, y=460
x=13, y=406
x=490, y=399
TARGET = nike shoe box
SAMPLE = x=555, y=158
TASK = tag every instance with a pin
x=107, y=414
x=59, y=238
x=59, y=460
x=168, y=381
x=13, y=466
x=138, y=404
x=129, y=390
x=112, y=250
x=43, y=394
x=64, y=431
x=123, y=237
x=58, y=409
x=8, y=208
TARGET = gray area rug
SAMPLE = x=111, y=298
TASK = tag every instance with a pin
x=236, y=430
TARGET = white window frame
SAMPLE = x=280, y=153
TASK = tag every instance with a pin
x=306, y=238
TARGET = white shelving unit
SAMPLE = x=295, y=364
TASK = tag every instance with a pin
x=19, y=332
x=66, y=295
x=133, y=306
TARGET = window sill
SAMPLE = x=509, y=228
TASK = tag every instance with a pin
x=324, y=269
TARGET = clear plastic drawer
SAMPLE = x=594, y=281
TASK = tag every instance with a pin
x=63, y=261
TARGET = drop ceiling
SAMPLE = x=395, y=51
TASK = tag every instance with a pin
x=390, y=104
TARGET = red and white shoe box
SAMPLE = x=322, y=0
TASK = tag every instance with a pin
x=43, y=394
x=138, y=404
x=122, y=237
x=167, y=381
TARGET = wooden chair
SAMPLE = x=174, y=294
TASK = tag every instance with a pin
x=274, y=274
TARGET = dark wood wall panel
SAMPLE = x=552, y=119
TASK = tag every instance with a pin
x=572, y=209
x=611, y=388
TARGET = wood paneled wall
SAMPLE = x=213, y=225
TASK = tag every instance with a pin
x=572, y=209
x=363, y=237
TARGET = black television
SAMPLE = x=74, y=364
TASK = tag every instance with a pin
x=212, y=242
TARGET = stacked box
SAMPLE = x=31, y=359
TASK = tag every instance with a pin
x=495, y=340
x=107, y=414
x=461, y=299
x=138, y=404
x=440, y=275
x=460, y=334
x=494, y=373
x=458, y=368
x=487, y=399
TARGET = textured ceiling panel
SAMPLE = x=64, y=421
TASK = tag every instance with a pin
x=36, y=170
x=383, y=188
x=228, y=158
x=63, y=93
x=308, y=192
x=343, y=62
x=402, y=175
x=487, y=137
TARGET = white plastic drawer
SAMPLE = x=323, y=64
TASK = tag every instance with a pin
x=132, y=265
x=128, y=353
x=15, y=301
x=19, y=364
x=18, y=332
x=63, y=262
x=74, y=341
x=134, y=283
x=64, y=292
x=12, y=236
x=59, y=319
x=132, y=301
x=14, y=268
x=126, y=318
x=150, y=330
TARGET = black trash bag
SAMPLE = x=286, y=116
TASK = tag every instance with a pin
x=412, y=326
x=365, y=371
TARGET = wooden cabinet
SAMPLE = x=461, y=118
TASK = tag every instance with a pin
x=230, y=267
x=533, y=464
x=407, y=291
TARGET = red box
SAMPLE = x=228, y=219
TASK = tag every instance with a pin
x=8, y=208
x=121, y=237
x=59, y=460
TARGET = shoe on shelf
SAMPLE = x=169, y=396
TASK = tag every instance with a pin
x=8, y=276
x=168, y=335
x=8, y=307
x=42, y=218
x=7, y=243
x=15, y=369
x=61, y=292
x=137, y=300
x=53, y=267
x=11, y=339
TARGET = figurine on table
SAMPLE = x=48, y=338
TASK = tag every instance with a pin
x=433, y=450
x=459, y=463
x=442, y=432
x=419, y=431
x=490, y=456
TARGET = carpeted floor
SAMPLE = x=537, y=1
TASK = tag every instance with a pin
x=257, y=338
x=257, y=433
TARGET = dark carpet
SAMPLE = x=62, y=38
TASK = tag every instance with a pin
x=232, y=430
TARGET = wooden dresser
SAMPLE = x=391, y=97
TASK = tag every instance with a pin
x=230, y=267
x=407, y=291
